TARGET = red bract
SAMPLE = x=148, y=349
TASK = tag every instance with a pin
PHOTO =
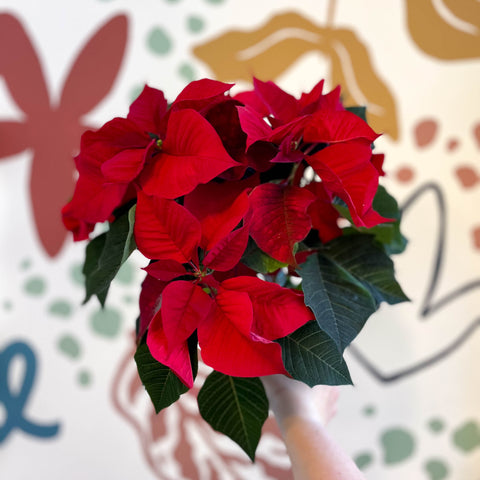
x=201, y=94
x=316, y=128
x=109, y=160
x=277, y=311
x=279, y=219
x=164, y=230
x=236, y=327
x=347, y=172
x=219, y=207
x=219, y=188
x=191, y=153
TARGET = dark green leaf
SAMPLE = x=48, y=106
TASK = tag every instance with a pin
x=340, y=303
x=237, y=407
x=388, y=233
x=258, y=260
x=361, y=256
x=103, y=262
x=162, y=385
x=359, y=112
x=311, y=356
x=92, y=254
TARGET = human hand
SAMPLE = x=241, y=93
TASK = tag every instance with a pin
x=301, y=413
x=291, y=398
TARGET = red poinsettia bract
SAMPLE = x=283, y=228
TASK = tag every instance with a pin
x=213, y=176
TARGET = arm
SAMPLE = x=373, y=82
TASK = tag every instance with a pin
x=301, y=414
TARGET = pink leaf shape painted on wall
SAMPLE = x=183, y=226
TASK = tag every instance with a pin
x=51, y=131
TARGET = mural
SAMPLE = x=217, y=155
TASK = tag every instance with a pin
x=68, y=386
x=448, y=29
x=270, y=50
x=15, y=402
x=52, y=131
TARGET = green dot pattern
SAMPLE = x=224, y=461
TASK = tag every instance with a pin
x=398, y=445
x=69, y=346
x=436, y=469
x=77, y=276
x=159, y=42
x=436, y=425
x=129, y=299
x=186, y=72
x=369, y=410
x=215, y=2
x=26, y=264
x=106, y=322
x=7, y=305
x=195, y=24
x=135, y=92
x=84, y=378
x=363, y=460
x=126, y=274
x=467, y=436
x=35, y=286
x=60, y=308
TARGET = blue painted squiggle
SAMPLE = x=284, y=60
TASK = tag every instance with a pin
x=15, y=402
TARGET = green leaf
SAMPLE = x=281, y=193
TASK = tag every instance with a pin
x=92, y=254
x=359, y=111
x=162, y=385
x=258, y=260
x=311, y=356
x=388, y=233
x=236, y=407
x=361, y=256
x=340, y=303
x=107, y=255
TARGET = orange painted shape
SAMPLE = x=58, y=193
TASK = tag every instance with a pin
x=468, y=176
x=424, y=132
x=476, y=237
x=404, y=174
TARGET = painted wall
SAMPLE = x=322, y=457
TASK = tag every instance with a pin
x=70, y=403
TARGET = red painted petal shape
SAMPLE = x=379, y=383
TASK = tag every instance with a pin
x=277, y=311
x=14, y=138
x=192, y=153
x=279, y=219
x=164, y=230
x=95, y=69
x=227, y=343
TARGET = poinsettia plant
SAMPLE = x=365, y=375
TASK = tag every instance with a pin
x=267, y=234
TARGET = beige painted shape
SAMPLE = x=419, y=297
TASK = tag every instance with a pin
x=445, y=29
x=270, y=50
